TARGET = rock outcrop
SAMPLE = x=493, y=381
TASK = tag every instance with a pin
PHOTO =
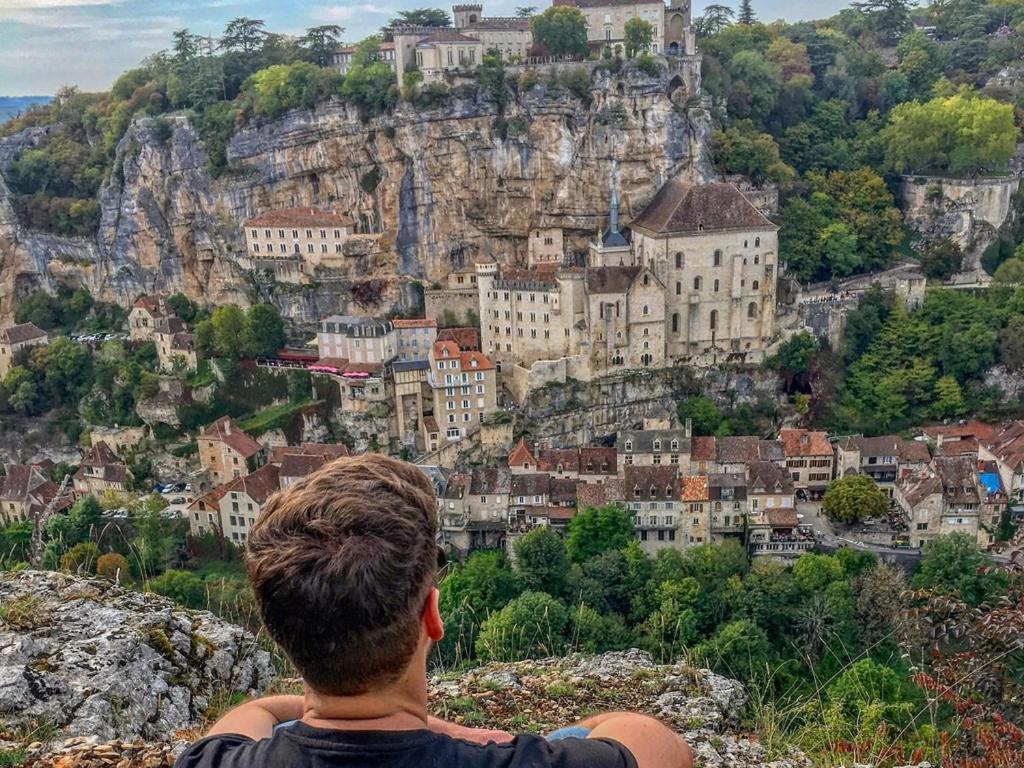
x=82, y=657
x=442, y=184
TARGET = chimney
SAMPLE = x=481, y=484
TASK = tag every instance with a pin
x=805, y=438
x=227, y=427
x=689, y=428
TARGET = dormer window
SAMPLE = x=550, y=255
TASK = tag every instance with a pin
x=654, y=492
x=636, y=492
x=675, y=445
x=629, y=445
x=657, y=445
x=668, y=492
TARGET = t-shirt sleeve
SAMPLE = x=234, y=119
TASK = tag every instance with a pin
x=213, y=752
x=572, y=753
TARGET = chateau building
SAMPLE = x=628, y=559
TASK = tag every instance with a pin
x=357, y=339
x=293, y=242
x=342, y=58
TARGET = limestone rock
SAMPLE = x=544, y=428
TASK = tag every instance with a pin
x=92, y=659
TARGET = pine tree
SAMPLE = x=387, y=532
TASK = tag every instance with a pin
x=747, y=15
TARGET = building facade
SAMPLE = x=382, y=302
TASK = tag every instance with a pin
x=465, y=389
x=292, y=243
x=17, y=338
x=357, y=339
x=226, y=452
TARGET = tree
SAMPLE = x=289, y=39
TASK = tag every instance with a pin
x=715, y=18
x=941, y=259
x=1010, y=272
x=739, y=649
x=113, y=567
x=525, y=11
x=561, y=30
x=16, y=543
x=813, y=572
x=638, y=36
x=948, y=399
x=370, y=86
x=185, y=46
x=1011, y=343
x=879, y=594
x=744, y=150
x=596, y=530
x=888, y=19
x=264, y=331
x=181, y=586
x=229, y=331
x=541, y=561
x=418, y=17
x=962, y=133
x=850, y=499
x=955, y=563
x=532, y=625
x=81, y=559
x=746, y=15
x=795, y=356
x=85, y=518
x=319, y=43
x=704, y=416
x=866, y=685
x=243, y=34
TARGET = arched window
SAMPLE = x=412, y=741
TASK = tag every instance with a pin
x=679, y=288
x=718, y=258
x=696, y=284
x=647, y=280
x=679, y=260
x=745, y=243
x=716, y=286
x=757, y=242
x=647, y=310
x=647, y=345
x=714, y=319
x=756, y=285
x=752, y=310
x=675, y=322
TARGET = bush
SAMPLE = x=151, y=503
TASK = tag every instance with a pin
x=81, y=559
x=532, y=625
x=648, y=65
x=113, y=567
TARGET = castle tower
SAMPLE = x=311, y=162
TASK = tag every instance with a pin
x=466, y=15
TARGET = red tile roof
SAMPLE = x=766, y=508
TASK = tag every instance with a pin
x=693, y=488
x=300, y=217
x=153, y=304
x=467, y=339
x=259, y=485
x=414, y=322
x=521, y=455
x=1008, y=445
x=600, y=494
x=468, y=361
x=703, y=449
x=224, y=431
x=782, y=517
x=803, y=442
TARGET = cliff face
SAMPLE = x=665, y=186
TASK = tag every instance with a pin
x=442, y=184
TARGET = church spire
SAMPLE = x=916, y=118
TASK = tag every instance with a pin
x=613, y=225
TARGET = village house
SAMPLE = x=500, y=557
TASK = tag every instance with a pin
x=562, y=497
x=528, y=501
x=414, y=338
x=809, y=460
x=231, y=509
x=146, y=310
x=410, y=393
x=175, y=347
x=1006, y=449
x=727, y=496
x=297, y=461
x=464, y=388
x=776, y=532
x=226, y=452
x=354, y=339
x=100, y=470
x=454, y=300
x=733, y=453
x=940, y=499
x=882, y=458
x=16, y=338
x=466, y=338
x=654, y=447
x=652, y=496
x=341, y=59
x=27, y=491
x=695, y=509
x=955, y=440
x=545, y=246
x=768, y=487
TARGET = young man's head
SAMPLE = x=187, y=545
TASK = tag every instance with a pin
x=343, y=563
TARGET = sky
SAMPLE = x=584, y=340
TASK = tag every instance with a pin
x=45, y=44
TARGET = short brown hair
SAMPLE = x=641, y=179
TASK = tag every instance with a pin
x=341, y=563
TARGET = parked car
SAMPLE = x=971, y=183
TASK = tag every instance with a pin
x=178, y=500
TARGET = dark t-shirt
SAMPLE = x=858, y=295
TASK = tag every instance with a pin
x=302, y=746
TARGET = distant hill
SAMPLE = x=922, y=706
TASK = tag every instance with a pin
x=12, y=106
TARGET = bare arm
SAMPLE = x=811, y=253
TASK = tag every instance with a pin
x=256, y=719
x=652, y=744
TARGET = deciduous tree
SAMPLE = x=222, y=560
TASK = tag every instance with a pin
x=849, y=499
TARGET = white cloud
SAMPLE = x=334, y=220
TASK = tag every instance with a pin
x=342, y=13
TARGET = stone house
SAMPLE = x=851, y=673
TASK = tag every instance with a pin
x=562, y=502
x=175, y=347
x=809, y=460
x=227, y=453
x=1006, y=449
x=100, y=470
x=528, y=500
x=768, y=487
x=940, y=499
x=27, y=491
x=355, y=339
x=414, y=337
x=734, y=452
x=295, y=462
x=727, y=497
x=717, y=256
x=545, y=246
x=881, y=458
x=16, y=338
x=411, y=393
x=695, y=509
x=606, y=24
x=776, y=532
x=455, y=297
x=654, y=447
x=652, y=495
x=231, y=510
x=465, y=389
x=341, y=59
x=146, y=310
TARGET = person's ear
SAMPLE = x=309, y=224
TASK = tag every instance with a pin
x=433, y=625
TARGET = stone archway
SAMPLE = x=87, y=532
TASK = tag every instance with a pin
x=678, y=93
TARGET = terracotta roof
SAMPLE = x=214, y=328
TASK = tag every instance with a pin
x=153, y=304
x=1008, y=445
x=430, y=425
x=598, y=461
x=600, y=494
x=212, y=499
x=919, y=485
x=101, y=455
x=803, y=442
x=414, y=322
x=327, y=451
x=467, y=339
x=300, y=217
x=681, y=206
x=258, y=485
x=21, y=480
x=561, y=513
x=611, y=279
x=782, y=517
x=19, y=334
x=224, y=431
x=914, y=452
x=973, y=428
x=703, y=448
x=550, y=459
x=521, y=455
x=468, y=361
x=693, y=488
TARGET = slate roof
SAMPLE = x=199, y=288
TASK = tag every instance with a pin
x=610, y=279
x=959, y=479
x=487, y=481
x=169, y=324
x=746, y=448
x=224, y=431
x=20, y=334
x=682, y=207
x=766, y=477
x=643, y=440
x=563, y=491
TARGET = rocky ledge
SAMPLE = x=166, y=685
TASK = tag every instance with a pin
x=84, y=658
